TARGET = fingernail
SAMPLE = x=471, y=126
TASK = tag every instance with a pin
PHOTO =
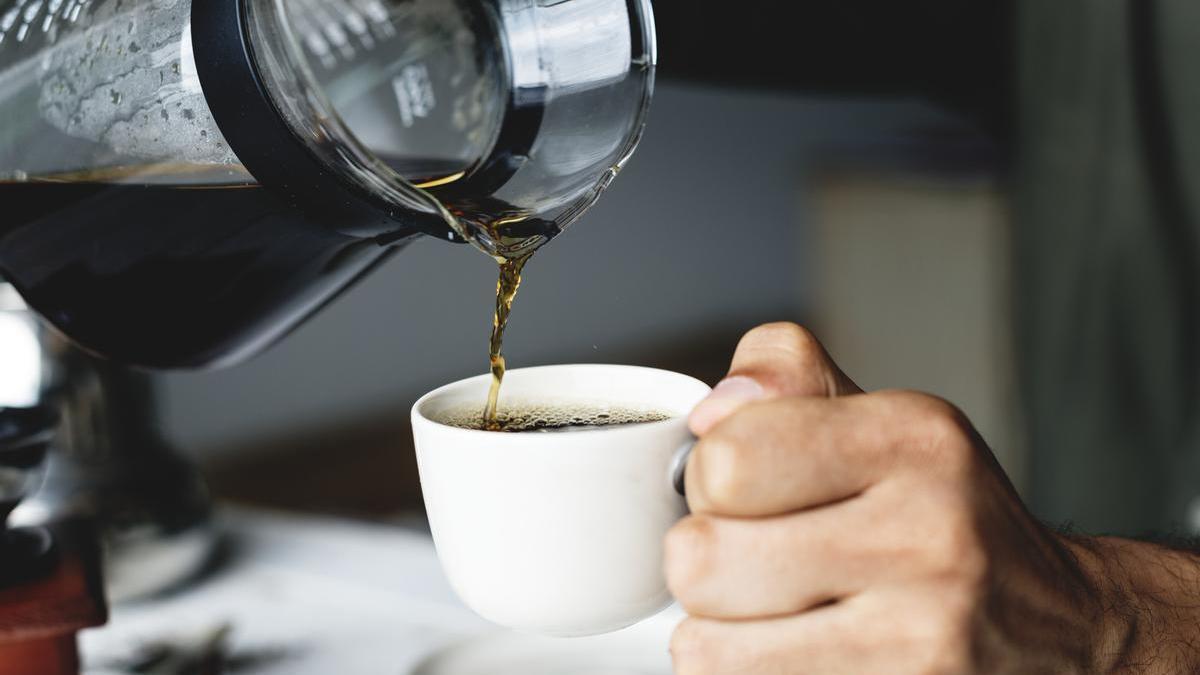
x=738, y=388
x=731, y=394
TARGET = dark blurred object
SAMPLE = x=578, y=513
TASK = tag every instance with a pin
x=959, y=54
x=201, y=654
x=49, y=580
x=1108, y=183
x=110, y=465
x=113, y=468
x=25, y=434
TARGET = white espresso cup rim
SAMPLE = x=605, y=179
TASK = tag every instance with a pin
x=419, y=409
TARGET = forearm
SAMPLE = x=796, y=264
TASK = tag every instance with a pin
x=1150, y=598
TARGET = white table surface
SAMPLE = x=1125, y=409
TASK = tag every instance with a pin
x=307, y=595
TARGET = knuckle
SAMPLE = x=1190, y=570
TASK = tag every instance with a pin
x=947, y=658
x=691, y=649
x=727, y=478
x=940, y=642
x=957, y=554
x=973, y=571
x=785, y=336
x=943, y=423
x=689, y=555
x=789, y=358
x=942, y=429
x=949, y=652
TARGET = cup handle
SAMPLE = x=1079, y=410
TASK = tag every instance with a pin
x=679, y=464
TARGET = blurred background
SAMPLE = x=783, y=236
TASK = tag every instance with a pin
x=989, y=201
x=876, y=222
x=980, y=202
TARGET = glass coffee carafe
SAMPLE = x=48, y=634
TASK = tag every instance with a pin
x=182, y=183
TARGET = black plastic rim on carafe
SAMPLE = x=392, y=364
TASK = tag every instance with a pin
x=262, y=141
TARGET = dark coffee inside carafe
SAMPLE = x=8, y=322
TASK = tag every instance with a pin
x=174, y=265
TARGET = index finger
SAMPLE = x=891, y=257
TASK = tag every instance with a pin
x=787, y=455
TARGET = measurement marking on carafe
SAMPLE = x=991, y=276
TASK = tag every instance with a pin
x=414, y=93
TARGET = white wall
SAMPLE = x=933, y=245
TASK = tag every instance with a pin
x=911, y=290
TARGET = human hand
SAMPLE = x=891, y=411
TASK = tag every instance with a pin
x=840, y=532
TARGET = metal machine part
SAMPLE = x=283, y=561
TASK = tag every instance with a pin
x=25, y=434
x=109, y=465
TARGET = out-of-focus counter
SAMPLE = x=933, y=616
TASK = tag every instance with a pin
x=304, y=595
x=297, y=595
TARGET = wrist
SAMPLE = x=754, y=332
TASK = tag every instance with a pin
x=1147, y=603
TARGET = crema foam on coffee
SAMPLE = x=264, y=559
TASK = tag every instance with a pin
x=517, y=418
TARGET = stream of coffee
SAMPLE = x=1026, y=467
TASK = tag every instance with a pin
x=506, y=292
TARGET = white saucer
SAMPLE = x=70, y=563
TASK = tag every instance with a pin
x=638, y=650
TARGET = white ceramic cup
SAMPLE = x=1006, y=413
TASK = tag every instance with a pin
x=557, y=533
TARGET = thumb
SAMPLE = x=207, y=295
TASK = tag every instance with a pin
x=772, y=361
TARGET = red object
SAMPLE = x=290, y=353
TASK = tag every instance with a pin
x=39, y=619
